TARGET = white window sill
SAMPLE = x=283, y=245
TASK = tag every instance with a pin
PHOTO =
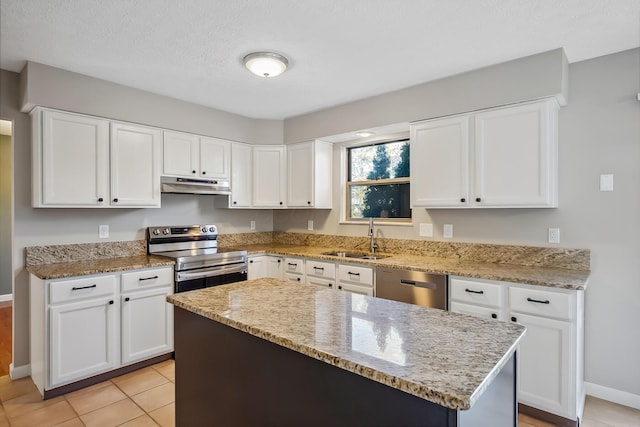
x=377, y=223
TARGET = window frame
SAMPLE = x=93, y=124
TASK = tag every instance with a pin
x=347, y=185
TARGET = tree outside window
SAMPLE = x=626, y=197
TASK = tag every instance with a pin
x=378, y=185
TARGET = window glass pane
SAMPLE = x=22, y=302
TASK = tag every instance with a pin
x=382, y=161
x=380, y=201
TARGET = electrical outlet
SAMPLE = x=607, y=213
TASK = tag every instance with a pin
x=103, y=231
x=310, y=225
x=447, y=231
x=252, y=225
x=426, y=230
x=554, y=235
x=606, y=182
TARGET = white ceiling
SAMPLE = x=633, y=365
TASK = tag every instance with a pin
x=339, y=50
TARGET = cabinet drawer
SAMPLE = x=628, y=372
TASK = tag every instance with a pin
x=84, y=288
x=145, y=279
x=356, y=289
x=541, y=303
x=293, y=277
x=327, y=283
x=294, y=265
x=320, y=269
x=355, y=274
x=478, y=293
x=474, y=310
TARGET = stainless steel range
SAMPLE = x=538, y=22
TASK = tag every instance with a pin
x=199, y=261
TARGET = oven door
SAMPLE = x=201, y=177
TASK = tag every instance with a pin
x=207, y=277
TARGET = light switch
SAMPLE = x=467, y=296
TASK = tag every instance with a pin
x=606, y=182
x=554, y=235
x=426, y=230
x=252, y=225
x=103, y=231
x=310, y=225
x=447, y=231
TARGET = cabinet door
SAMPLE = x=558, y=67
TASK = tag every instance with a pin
x=269, y=176
x=83, y=340
x=275, y=267
x=356, y=289
x=147, y=325
x=180, y=154
x=135, y=166
x=214, y=158
x=515, y=156
x=545, y=368
x=476, y=310
x=257, y=267
x=241, y=176
x=440, y=163
x=75, y=161
x=300, y=162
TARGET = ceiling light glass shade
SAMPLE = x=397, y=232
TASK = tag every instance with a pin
x=265, y=64
x=364, y=134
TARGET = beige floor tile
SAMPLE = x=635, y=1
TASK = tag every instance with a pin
x=611, y=413
x=168, y=371
x=74, y=422
x=156, y=397
x=49, y=416
x=143, y=421
x=27, y=403
x=586, y=422
x=139, y=381
x=112, y=415
x=95, y=399
x=165, y=416
x=12, y=389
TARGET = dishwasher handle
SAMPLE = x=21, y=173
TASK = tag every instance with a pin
x=427, y=285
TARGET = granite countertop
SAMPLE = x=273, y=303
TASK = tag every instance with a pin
x=542, y=276
x=445, y=358
x=97, y=266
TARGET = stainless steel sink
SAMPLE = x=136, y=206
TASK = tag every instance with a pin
x=356, y=255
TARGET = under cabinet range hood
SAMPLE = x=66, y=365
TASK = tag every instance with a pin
x=194, y=186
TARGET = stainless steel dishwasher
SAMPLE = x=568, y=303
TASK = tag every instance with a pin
x=415, y=287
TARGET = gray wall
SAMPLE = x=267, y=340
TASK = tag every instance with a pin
x=35, y=227
x=5, y=215
x=599, y=132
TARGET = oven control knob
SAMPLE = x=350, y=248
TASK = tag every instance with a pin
x=165, y=231
x=212, y=229
x=156, y=232
x=204, y=229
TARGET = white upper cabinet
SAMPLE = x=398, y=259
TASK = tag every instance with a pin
x=499, y=158
x=70, y=160
x=440, y=163
x=82, y=161
x=135, y=165
x=309, y=175
x=269, y=176
x=193, y=156
x=241, y=175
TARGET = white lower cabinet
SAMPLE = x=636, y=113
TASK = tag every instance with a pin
x=552, y=352
x=275, y=268
x=84, y=326
x=320, y=273
x=83, y=339
x=294, y=270
x=261, y=266
x=355, y=278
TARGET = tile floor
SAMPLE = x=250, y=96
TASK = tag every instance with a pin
x=146, y=398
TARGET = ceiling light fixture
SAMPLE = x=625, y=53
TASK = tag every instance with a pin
x=364, y=134
x=265, y=64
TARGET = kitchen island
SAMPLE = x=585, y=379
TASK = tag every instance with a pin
x=269, y=352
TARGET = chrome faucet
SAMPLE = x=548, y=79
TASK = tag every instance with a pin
x=372, y=244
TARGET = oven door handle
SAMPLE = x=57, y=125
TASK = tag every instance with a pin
x=211, y=272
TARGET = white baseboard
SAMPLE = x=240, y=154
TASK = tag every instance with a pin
x=6, y=297
x=16, y=372
x=612, y=395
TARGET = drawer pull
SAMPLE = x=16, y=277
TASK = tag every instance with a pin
x=111, y=302
x=474, y=292
x=538, y=301
x=494, y=316
x=319, y=268
x=148, y=278
x=353, y=274
x=127, y=299
x=298, y=279
x=77, y=288
x=292, y=264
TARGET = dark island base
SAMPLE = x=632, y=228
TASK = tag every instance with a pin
x=227, y=377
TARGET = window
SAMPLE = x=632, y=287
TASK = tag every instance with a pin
x=378, y=181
